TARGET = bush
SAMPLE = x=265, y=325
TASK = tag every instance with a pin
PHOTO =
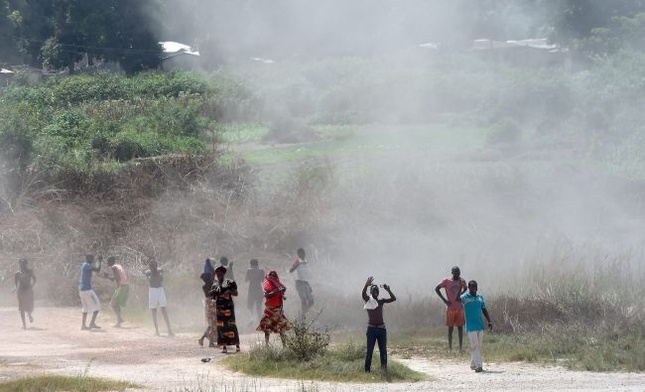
x=305, y=342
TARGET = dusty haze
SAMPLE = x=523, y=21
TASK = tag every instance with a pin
x=403, y=214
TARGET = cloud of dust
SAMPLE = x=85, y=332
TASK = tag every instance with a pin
x=408, y=215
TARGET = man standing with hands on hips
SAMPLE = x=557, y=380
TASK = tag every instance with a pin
x=455, y=286
x=474, y=307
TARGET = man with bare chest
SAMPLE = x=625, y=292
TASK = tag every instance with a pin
x=376, y=332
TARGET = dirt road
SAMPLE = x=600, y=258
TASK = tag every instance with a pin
x=55, y=344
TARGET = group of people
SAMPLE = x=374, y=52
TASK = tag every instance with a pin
x=263, y=289
x=90, y=301
x=464, y=307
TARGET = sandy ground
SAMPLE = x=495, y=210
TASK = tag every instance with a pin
x=55, y=344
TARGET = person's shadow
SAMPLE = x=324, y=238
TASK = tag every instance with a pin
x=485, y=371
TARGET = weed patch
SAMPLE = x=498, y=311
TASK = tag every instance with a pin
x=340, y=364
x=55, y=383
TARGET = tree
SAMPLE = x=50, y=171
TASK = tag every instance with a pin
x=31, y=26
x=576, y=19
x=8, y=48
x=58, y=33
x=136, y=45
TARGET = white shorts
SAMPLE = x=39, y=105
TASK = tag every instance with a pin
x=156, y=298
x=90, y=301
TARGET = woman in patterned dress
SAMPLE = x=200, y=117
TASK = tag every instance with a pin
x=223, y=293
x=207, y=277
x=273, y=319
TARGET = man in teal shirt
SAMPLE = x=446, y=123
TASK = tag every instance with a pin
x=474, y=307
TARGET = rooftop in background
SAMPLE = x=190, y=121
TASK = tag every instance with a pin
x=535, y=43
x=171, y=49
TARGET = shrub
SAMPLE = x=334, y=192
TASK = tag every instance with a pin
x=305, y=342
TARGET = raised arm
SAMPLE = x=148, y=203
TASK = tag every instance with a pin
x=115, y=275
x=294, y=265
x=389, y=291
x=97, y=269
x=368, y=283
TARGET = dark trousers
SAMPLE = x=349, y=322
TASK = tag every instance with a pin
x=376, y=335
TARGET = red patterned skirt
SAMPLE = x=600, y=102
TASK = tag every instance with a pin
x=274, y=320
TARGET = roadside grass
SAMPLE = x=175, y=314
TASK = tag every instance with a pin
x=343, y=363
x=574, y=347
x=52, y=383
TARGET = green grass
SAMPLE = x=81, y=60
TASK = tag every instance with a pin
x=342, y=141
x=237, y=133
x=53, y=383
x=576, y=348
x=340, y=364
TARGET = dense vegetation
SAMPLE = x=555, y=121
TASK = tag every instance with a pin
x=87, y=123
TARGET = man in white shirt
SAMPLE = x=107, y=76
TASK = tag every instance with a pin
x=301, y=266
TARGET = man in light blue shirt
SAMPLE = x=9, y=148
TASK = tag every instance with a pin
x=89, y=299
x=474, y=308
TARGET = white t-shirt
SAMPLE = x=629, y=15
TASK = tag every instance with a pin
x=302, y=271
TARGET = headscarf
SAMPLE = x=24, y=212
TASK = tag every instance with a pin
x=208, y=267
x=271, y=283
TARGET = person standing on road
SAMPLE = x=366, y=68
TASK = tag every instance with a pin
x=273, y=319
x=474, y=307
x=454, y=287
x=254, y=276
x=25, y=281
x=157, y=295
x=89, y=299
x=228, y=265
x=376, y=332
x=306, y=294
x=223, y=291
x=122, y=290
x=210, y=312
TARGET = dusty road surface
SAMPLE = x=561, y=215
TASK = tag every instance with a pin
x=55, y=344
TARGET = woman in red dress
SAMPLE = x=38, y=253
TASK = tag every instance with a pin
x=273, y=319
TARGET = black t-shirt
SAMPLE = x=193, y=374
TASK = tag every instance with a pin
x=154, y=278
